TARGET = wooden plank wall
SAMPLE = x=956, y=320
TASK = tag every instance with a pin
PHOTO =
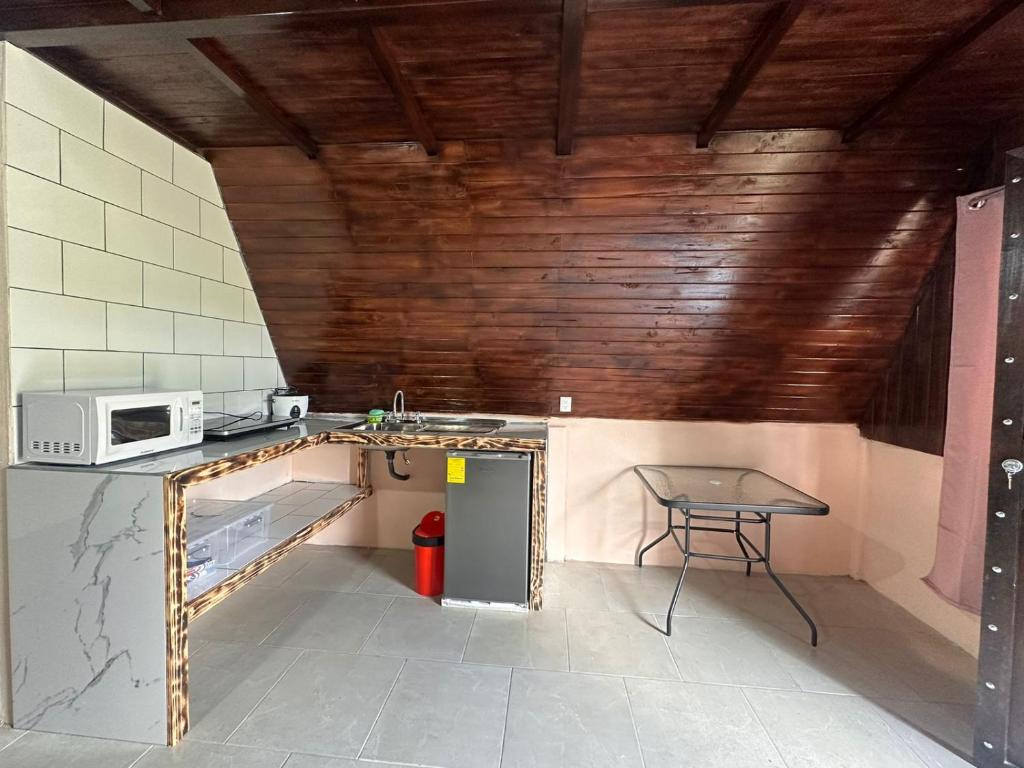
x=909, y=407
x=769, y=278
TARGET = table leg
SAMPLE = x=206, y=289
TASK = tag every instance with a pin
x=668, y=530
x=686, y=562
x=739, y=540
x=778, y=581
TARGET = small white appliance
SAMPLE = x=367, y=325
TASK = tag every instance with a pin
x=288, y=402
x=100, y=426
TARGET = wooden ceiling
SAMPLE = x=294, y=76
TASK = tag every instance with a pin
x=713, y=209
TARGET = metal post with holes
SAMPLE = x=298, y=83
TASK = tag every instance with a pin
x=999, y=720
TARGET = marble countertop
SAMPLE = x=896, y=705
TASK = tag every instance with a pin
x=216, y=450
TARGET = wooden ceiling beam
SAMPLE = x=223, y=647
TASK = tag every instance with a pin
x=220, y=64
x=221, y=18
x=775, y=26
x=383, y=53
x=929, y=66
x=574, y=13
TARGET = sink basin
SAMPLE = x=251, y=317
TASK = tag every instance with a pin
x=391, y=426
x=435, y=425
x=464, y=426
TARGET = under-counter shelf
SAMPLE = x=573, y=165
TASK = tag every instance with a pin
x=226, y=537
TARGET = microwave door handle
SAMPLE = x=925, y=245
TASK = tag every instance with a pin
x=181, y=417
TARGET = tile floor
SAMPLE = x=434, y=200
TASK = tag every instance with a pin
x=332, y=661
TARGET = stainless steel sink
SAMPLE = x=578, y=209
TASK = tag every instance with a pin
x=435, y=425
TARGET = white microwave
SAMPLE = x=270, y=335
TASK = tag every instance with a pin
x=97, y=427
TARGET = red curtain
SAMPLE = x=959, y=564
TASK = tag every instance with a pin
x=960, y=549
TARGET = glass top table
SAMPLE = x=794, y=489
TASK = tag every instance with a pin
x=726, y=488
x=738, y=497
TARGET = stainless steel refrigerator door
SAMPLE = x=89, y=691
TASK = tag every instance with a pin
x=487, y=528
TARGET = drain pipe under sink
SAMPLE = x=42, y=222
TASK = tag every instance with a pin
x=390, y=455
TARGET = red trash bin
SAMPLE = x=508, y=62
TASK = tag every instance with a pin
x=428, y=541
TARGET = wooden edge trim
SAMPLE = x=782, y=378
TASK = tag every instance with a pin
x=240, y=578
x=538, y=528
x=174, y=609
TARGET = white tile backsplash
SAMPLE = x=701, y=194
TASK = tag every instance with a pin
x=234, y=269
x=101, y=370
x=95, y=274
x=220, y=300
x=40, y=206
x=193, y=173
x=246, y=402
x=32, y=144
x=41, y=90
x=124, y=270
x=172, y=205
x=260, y=373
x=168, y=289
x=198, y=335
x=242, y=339
x=171, y=372
x=136, y=142
x=97, y=173
x=251, y=307
x=57, y=322
x=36, y=370
x=139, y=237
x=267, y=346
x=134, y=329
x=197, y=256
x=221, y=374
x=216, y=227
x=33, y=261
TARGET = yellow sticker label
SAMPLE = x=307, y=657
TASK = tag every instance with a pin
x=456, y=470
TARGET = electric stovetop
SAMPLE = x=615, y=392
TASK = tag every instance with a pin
x=225, y=426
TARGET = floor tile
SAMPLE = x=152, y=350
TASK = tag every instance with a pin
x=566, y=720
x=933, y=667
x=939, y=734
x=325, y=704
x=618, y=644
x=815, y=730
x=647, y=590
x=831, y=667
x=283, y=569
x=197, y=754
x=315, y=761
x=726, y=651
x=535, y=640
x=337, y=569
x=571, y=585
x=421, y=629
x=226, y=680
x=392, y=574
x=46, y=750
x=443, y=714
x=331, y=621
x=303, y=497
x=686, y=725
x=248, y=616
x=9, y=736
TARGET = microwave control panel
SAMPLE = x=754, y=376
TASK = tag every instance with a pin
x=195, y=420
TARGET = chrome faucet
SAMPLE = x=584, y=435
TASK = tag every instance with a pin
x=394, y=406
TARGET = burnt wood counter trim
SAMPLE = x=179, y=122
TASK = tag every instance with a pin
x=180, y=611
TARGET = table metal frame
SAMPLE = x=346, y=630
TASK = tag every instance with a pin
x=737, y=520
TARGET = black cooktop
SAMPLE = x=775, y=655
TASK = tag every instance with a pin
x=224, y=427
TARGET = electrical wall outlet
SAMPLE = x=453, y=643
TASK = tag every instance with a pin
x=565, y=404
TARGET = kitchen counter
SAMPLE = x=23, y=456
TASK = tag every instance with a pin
x=98, y=557
x=526, y=435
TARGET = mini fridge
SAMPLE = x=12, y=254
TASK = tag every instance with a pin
x=487, y=530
